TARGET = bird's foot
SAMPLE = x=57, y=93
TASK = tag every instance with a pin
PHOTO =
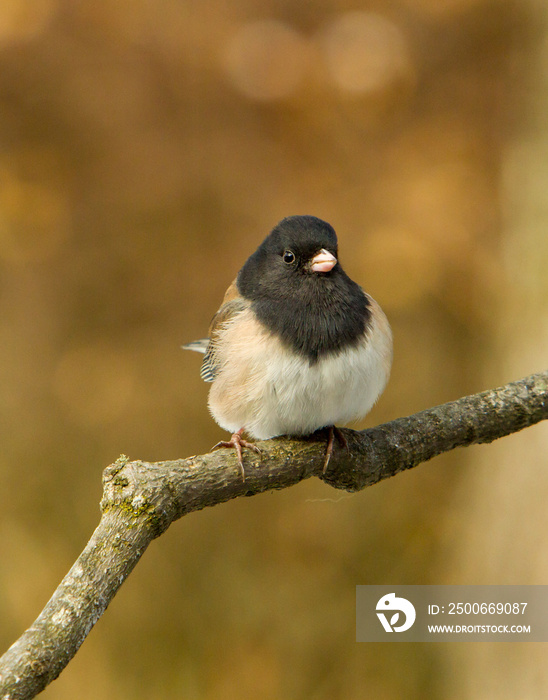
x=237, y=442
x=333, y=431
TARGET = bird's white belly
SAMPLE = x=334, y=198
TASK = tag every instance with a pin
x=271, y=391
x=300, y=398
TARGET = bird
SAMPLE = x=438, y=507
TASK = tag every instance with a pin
x=296, y=345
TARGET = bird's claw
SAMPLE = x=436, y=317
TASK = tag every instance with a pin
x=237, y=442
x=333, y=431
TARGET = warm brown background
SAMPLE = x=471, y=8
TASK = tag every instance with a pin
x=145, y=150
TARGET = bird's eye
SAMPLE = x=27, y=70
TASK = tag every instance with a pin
x=288, y=257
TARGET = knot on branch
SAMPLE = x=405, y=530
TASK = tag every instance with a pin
x=139, y=492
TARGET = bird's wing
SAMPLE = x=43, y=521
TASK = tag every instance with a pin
x=232, y=305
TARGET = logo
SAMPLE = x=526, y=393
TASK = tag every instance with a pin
x=388, y=604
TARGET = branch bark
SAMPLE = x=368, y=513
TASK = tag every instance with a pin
x=141, y=500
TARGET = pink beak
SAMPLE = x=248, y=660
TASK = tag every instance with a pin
x=323, y=261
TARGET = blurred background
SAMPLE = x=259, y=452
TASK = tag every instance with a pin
x=146, y=148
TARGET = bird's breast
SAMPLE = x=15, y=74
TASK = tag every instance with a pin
x=269, y=389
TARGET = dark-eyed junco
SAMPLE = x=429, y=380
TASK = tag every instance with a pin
x=296, y=345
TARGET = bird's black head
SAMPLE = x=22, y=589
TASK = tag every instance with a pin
x=299, y=290
x=285, y=256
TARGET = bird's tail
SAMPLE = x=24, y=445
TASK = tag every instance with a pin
x=197, y=345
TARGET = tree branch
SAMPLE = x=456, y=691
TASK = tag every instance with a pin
x=142, y=499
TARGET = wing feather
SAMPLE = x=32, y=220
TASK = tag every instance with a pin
x=232, y=305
